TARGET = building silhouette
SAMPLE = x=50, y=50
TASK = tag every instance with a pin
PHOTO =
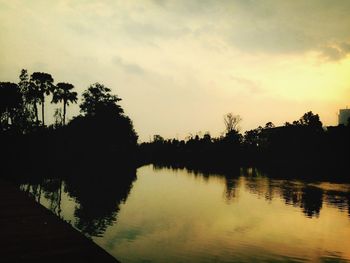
x=343, y=117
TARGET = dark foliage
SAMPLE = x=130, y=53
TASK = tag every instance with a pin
x=63, y=93
x=103, y=129
x=304, y=145
x=102, y=135
x=10, y=103
x=41, y=85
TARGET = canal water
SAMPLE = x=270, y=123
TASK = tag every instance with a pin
x=177, y=215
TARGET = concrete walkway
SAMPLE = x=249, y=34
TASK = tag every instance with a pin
x=31, y=233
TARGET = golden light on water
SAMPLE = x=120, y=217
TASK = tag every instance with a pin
x=193, y=219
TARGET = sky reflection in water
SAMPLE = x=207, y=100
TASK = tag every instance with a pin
x=181, y=216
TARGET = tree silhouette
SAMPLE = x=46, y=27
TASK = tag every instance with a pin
x=62, y=92
x=269, y=125
x=311, y=120
x=232, y=137
x=32, y=96
x=27, y=113
x=58, y=118
x=24, y=82
x=232, y=122
x=41, y=85
x=10, y=100
x=102, y=128
x=97, y=98
x=252, y=137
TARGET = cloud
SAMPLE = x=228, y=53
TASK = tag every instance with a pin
x=151, y=31
x=247, y=84
x=187, y=49
x=127, y=67
x=289, y=26
x=336, y=51
x=271, y=26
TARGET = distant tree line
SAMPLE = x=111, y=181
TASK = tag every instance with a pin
x=304, y=143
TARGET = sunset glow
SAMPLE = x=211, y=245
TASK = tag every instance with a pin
x=179, y=66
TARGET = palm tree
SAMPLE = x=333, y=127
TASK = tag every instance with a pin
x=62, y=92
x=33, y=96
x=41, y=85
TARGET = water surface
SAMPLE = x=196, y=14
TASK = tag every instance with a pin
x=174, y=215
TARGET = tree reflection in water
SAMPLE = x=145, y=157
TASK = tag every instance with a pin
x=97, y=195
x=311, y=201
x=99, y=200
x=231, y=185
x=296, y=192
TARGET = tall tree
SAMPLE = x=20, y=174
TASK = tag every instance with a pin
x=33, y=97
x=29, y=103
x=232, y=122
x=103, y=127
x=23, y=81
x=97, y=98
x=41, y=85
x=10, y=100
x=62, y=92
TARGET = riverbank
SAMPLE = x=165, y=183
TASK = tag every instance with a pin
x=31, y=233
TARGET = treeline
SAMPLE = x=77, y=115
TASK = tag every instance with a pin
x=100, y=132
x=303, y=144
x=102, y=137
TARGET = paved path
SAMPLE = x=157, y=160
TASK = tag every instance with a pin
x=31, y=233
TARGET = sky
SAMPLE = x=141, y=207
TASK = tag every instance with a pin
x=179, y=66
